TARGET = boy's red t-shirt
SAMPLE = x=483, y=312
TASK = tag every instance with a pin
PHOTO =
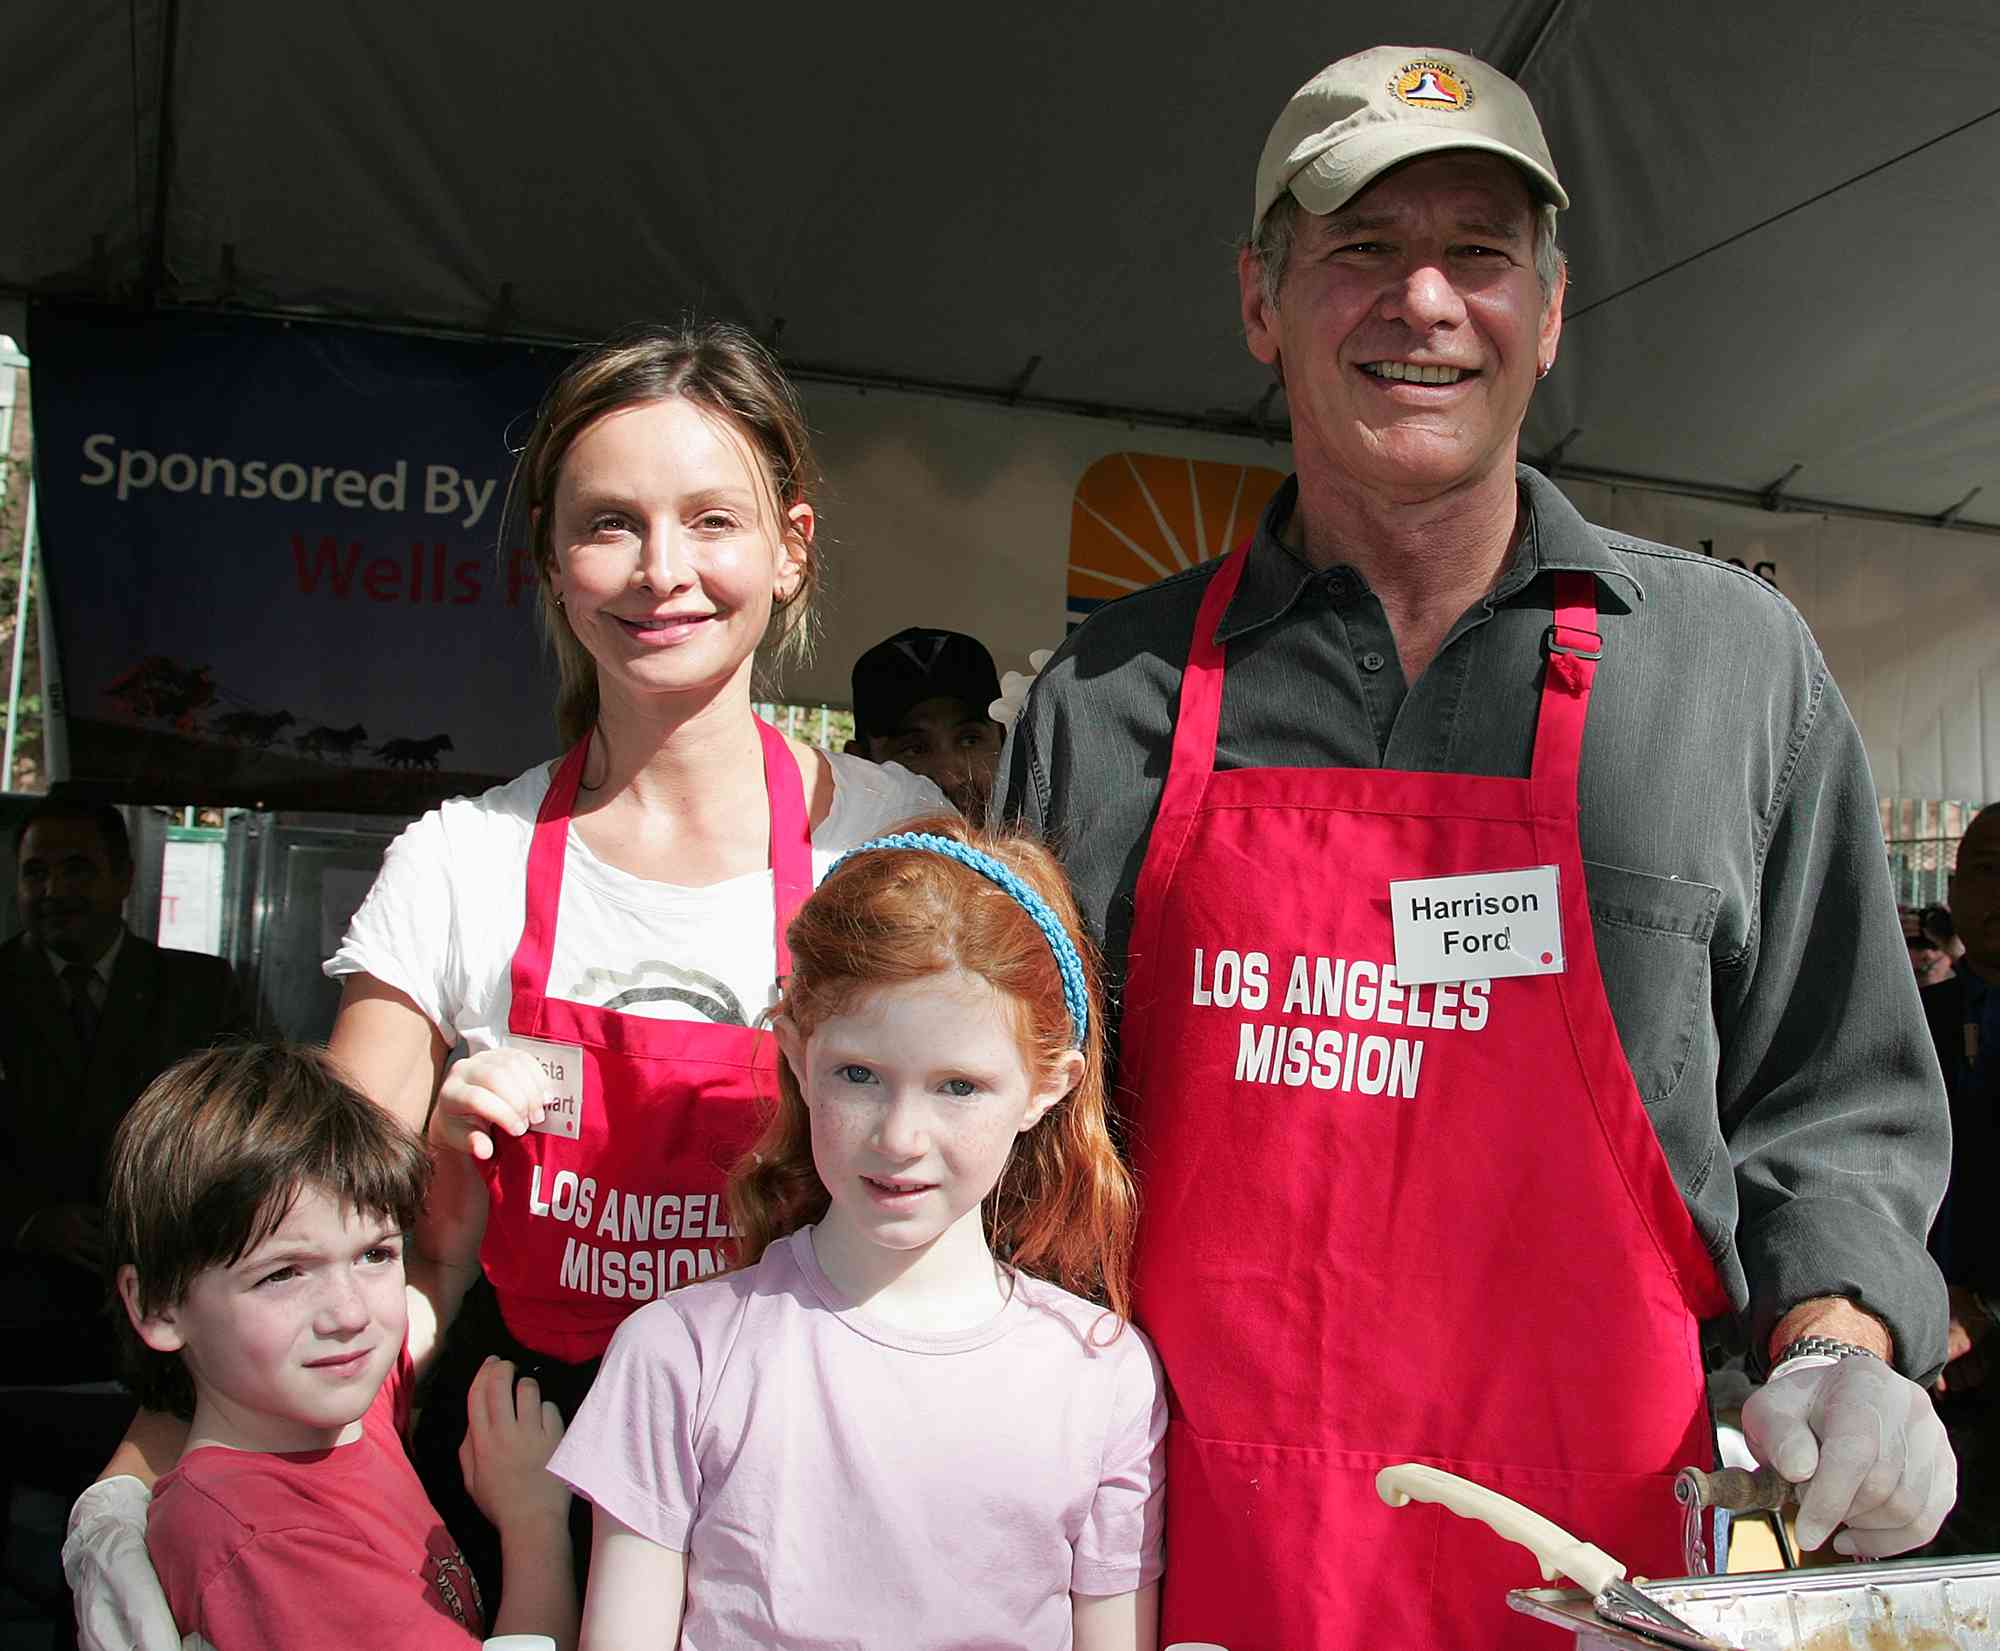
x=319, y=1550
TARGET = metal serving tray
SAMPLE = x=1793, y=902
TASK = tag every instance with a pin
x=1901, y=1605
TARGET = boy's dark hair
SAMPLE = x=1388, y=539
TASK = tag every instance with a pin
x=209, y=1162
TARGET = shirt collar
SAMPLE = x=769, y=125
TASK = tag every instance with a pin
x=1559, y=539
x=102, y=968
x=1555, y=537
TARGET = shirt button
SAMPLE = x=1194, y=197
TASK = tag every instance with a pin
x=1372, y=661
x=1335, y=585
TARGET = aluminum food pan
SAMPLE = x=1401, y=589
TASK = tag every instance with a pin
x=1901, y=1605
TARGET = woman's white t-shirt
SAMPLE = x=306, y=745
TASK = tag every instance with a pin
x=445, y=914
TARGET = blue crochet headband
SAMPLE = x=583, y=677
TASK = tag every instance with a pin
x=1068, y=964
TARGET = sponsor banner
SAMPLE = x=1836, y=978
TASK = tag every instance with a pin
x=276, y=574
x=1141, y=517
x=274, y=560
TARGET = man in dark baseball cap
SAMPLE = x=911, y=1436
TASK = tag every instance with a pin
x=920, y=699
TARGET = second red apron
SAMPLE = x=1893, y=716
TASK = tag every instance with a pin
x=584, y=1231
x=1385, y=1223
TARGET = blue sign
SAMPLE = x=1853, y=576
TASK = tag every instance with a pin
x=275, y=560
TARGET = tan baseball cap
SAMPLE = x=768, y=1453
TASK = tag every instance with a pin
x=1357, y=118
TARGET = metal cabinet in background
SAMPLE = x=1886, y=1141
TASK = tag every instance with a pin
x=294, y=880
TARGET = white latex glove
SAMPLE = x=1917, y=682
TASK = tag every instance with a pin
x=1014, y=686
x=1867, y=1448
x=119, y=1605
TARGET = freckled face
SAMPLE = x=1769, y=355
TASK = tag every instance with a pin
x=1409, y=327
x=917, y=1095
x=289, y=1346
x=669, y=548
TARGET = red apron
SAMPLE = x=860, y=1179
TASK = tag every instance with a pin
x=1391, y=1223
x=584, y=1231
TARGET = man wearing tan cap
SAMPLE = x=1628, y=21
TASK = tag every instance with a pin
x=1511, y=980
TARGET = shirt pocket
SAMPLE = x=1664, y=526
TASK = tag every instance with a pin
x=1652, y=946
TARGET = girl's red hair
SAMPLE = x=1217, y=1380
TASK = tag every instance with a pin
x=1065, y=1206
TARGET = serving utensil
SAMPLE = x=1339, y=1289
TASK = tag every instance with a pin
x=1559, y=1553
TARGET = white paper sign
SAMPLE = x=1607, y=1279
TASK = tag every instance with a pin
x=563, y=1063
x=1487, y=926
x=191, y=896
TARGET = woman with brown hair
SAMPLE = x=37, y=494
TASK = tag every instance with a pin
x=605, y=932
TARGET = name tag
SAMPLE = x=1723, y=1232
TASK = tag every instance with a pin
x=1483, y=927
x=563, y=1064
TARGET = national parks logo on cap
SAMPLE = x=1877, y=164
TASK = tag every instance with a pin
x=1376, y=109
x=1430, y=83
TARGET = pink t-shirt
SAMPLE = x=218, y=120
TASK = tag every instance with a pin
x=320, y=1550
x=836, y=1482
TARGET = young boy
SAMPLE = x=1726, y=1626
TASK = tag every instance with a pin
x=258, y=1212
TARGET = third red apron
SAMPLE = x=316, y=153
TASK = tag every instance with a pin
x=584, y=1231
x=1386, y=1223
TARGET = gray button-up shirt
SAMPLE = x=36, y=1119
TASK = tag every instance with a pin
x=1738, y=887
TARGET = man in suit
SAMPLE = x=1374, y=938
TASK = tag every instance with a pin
x=89, y=1015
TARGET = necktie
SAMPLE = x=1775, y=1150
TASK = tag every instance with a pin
x=82, y=1009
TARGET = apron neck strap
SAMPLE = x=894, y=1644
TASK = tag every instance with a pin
x=790, y=860
x=1200, y=712
x=530, y=971
x=1573, y=648
x=791, y=839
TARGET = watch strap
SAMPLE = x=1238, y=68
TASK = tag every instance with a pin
x=1811, y=1352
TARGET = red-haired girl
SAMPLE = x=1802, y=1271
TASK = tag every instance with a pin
x=913, y=1415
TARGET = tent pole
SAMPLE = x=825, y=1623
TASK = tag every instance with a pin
x=163, y=159
x=1950, y=515
x=1519, y=71
x=1571, y=317
x=1754, y=498
x=20, y=638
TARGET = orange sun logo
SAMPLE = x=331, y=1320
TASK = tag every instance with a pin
x=1431, y=84
x=1138, y=517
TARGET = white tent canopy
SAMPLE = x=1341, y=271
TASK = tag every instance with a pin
x=1042, y=199
x=1781, y=246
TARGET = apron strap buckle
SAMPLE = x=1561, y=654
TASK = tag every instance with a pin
x=1572, y=640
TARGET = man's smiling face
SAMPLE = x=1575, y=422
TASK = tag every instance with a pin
x=1409, y=327
x=71, y=888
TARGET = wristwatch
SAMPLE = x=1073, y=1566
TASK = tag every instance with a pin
x=1821, y=1350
